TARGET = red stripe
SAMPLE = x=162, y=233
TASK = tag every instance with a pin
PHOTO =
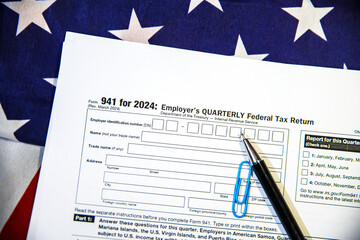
x=17, y=225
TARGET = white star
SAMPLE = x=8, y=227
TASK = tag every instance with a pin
x=8, y=127
x=195, y=3
x=30, y=11
x=345, y=67
x=240, y=51
x=309, y=18
x=52, y=81
x=135, y=32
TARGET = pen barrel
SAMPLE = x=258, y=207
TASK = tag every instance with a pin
x=277, y=200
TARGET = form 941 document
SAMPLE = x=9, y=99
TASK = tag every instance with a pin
x=143, y=143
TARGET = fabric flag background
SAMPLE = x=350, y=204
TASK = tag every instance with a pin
x=309, y=32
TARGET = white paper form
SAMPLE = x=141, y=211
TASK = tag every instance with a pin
x=143, y=144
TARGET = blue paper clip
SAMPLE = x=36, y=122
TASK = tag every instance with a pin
x=237, y=189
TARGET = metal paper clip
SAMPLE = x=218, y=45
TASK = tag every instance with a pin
x=237, y=189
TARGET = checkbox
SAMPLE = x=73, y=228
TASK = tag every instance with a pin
x=304, y=172
x=193, y=127
x=235, y=132
x=305, y=163
x=264, y=135
x=207, y=129
x=304, y=181
x=249, y=133
x=172, y=125
x=306, y=154
x=158, y=124
x=221, y=131
x=278, y=136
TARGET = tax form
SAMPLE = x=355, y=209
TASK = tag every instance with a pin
x=143, y=143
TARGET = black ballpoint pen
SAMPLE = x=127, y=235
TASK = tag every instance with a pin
x=273, y=193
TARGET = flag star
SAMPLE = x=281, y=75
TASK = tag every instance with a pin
x=52, y=81
x=195, y=3
x=30, y=11
x=240, y=51
x=309, y=18
x=8, y=127
x=344, y=66
x=135, y=32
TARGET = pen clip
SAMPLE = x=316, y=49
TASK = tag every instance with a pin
x=245, y=199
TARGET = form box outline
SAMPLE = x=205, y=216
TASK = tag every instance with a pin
x=180, y=200
x=131, y=150
x=259, y=194
x=195, y=183
x=191, y=204
x=256, y=209
x=111, y=163
x=224, y=188
x=150, y=137
x=230, y=158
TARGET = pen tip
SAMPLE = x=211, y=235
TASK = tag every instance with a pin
x=242, y=137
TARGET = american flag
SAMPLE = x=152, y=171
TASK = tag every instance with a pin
x=322, y=33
